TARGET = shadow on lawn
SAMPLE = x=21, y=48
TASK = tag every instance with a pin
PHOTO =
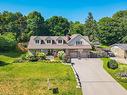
x=3, y=63
x=13, y=54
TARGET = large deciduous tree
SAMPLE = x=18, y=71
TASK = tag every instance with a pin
x=58, y=25
x=35, y=24
x=76, y=28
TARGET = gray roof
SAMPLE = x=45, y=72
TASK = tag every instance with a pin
x=122, y=46
x=32, y=45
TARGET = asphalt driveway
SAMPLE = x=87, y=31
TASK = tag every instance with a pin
x=95, y=80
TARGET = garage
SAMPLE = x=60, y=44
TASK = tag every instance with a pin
x=84, y=54
x=74, y=54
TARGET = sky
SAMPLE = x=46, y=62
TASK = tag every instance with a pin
x=74, y=10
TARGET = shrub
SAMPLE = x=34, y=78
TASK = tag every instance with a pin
x=61, y=55
x=18, y=61
x=112, y=64
x=7, y=42
x=33, y=59
x=41, y=55
x=67, y=59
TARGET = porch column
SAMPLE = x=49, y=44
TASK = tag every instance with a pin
x=67, y=51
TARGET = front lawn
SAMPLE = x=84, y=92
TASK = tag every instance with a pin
x=114, y=72
x=31, y=78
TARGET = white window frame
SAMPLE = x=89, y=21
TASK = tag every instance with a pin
x=60, y=42
x=78, y=42
x=48, y=42
x=37, y=41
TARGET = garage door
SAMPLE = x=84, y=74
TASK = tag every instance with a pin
x=74, y=54
x=84, y=54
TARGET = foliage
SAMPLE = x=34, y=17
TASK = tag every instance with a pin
x=7, y=42
x=114, y=72
x=91, y=27
x=76, y=28
x=58, y=25
x=112, y=64
x=25, y=78
x=107, y=30
x=61, y=55
x=124, y=39
x=34, y=57
x=113, y=30
x=41, y=55
x=35, y=23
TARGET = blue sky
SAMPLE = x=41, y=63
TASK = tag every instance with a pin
x=75, y=10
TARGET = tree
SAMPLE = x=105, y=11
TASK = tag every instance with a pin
x=110, y=31
x=76, y=28
x=12, y=22
x=7, y=41
x=90, y=28
x=113, y=30
x=58, y=25
x=35, y=23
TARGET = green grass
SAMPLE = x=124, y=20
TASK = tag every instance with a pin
x=113, y=72
x=31, y=78
x=10, y=56
x=104, y=46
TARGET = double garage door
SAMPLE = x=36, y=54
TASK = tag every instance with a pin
x=76, y=54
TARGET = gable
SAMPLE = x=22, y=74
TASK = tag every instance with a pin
x=59, y=38
x=37, y=38
x=78, y=38
x=48, y=38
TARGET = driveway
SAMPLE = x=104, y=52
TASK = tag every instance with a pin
x=95, y=80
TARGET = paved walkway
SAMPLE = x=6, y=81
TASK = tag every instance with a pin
x=95, y=80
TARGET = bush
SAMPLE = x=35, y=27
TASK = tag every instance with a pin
x=41, y=55
x=18, y=61
x=33, y=59
x=61, y=55
x=30, y=57
x=7, y=42
x=112, y=64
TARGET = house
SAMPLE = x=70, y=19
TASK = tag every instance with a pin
x=74, y=46
x=119, y=50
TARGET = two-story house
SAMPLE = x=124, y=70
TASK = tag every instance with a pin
x=74, y=46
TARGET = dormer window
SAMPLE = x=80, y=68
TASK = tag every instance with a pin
x=78, y=42
x=37, y=41
x=60, y=41
x=48, y=41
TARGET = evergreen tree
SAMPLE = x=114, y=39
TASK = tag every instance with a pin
x=90, y=28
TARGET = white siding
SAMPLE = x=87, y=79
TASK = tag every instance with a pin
x=78, y=38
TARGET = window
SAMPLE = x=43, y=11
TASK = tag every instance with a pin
x=78, y=42
x=42, y=42
x=59, y=41
x=37, y=41
x=48, y=41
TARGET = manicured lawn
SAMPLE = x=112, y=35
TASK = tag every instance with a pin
x=104, y=46
x=113, y=73
x=9, y=57
x=31, y=78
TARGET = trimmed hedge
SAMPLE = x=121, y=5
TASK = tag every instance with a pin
x=112, y=64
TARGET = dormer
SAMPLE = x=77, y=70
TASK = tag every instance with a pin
x=48, y=40
x=37, y=40
x=60, y=40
